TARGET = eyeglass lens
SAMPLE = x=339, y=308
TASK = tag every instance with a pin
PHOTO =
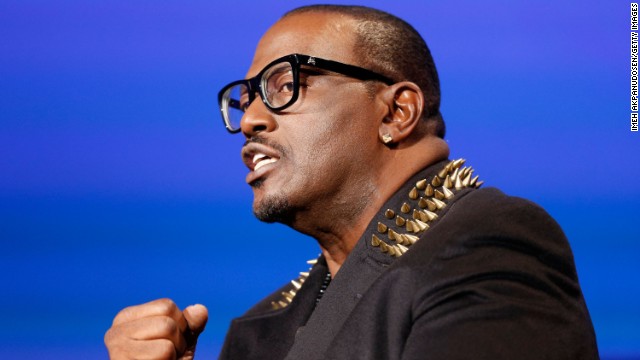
x=277, y=86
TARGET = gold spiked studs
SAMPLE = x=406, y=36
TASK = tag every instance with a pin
x=447, y=182
x=422, y=203
x=413, y=194
x=375, y=241
x=448, y=194
x=473, y=181
x=405, y=208
x=410, y=238
x=439, y=204
x=296, y=284
x=429, y=190
x=389, y=214
x=431, y=205
x=438, y=190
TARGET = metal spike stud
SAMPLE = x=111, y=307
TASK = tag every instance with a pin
x=429, y=190
x=413, y=194
x=422, y=216
x=449, y=166
x=304, y=274
x=443, y=173
x=454, y=176
x=467, y=180
x=410, y=227
x=421, y=225
x=461, y=172
x=282, y=303
x=382, y=228
x=421, y=184
x=375, y=241
x=479, y=183
x=447, y=193
x=459, y=183
x=411, y=238
x=438, y=194
x=436, y=181
x=431, y=205
x=405, y=208
x=400, y=220
x=439, y=204
x=430, y=215
x=447, y=182
x=422, y=203
x=312, y=261
x=403, y=248
x=296, y=284
x=389, y=214
x=458, y=163
x=473, y=181
x=393, y=235
x=391, y=250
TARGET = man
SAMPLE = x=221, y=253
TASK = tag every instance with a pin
x=345, y=144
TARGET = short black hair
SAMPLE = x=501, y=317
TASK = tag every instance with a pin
x=391, y=46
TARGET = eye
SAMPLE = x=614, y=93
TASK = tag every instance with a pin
x=244, y=102
x=286, y=87
x=283, y=83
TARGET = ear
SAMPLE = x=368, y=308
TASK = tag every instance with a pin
x=405, y=105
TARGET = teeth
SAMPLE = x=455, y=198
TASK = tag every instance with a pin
x=257, y=157
x=261, y=160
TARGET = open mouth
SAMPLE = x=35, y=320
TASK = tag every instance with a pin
x=260, y=160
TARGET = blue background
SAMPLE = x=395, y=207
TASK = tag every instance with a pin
x=119, y=185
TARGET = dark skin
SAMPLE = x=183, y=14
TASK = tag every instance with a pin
x=335, y=157
x=332, y=167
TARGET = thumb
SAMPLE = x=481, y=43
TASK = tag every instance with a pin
x=196, y=316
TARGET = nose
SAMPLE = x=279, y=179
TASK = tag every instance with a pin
x=257, y=118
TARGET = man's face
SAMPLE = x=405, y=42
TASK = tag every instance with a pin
x=319, y=153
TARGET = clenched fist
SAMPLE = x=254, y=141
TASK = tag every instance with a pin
x=156, y=330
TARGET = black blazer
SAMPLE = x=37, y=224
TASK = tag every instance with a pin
x=491, y=277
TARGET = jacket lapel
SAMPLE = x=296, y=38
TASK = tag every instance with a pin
x=264, y=331
x=361, y=269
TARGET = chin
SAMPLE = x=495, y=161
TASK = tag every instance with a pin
x=271, y=209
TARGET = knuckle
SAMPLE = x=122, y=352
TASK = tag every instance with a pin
x=125, y=315
x=166, y=349
x=168, y=325
x=166, y=306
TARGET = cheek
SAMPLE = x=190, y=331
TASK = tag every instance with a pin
x=332, y=130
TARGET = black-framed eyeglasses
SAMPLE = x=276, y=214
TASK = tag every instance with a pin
x=278, y=85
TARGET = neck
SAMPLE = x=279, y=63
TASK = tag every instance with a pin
x=351, y=212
